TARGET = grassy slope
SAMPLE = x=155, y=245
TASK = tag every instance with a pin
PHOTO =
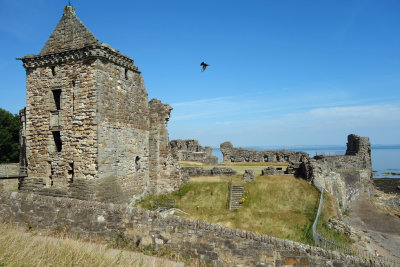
x=280, y=206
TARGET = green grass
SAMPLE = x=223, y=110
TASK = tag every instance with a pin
x=323, y=229
x=280, y=206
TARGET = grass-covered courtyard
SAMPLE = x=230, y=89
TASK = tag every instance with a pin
x=280, y=206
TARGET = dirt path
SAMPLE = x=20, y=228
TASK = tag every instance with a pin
x=381, y=229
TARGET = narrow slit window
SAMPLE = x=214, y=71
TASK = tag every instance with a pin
x=71, y=172
x=57, y=140
x=53, y=70
x=137, y=164
x=126, y=74
x=57, y=98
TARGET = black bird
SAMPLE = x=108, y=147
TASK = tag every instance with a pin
x=205, y=65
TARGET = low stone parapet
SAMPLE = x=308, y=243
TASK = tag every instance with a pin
x=200, y=171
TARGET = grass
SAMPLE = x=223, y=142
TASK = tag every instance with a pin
x=329, y=208
x=24, y=248
x=239, y=167
x=280, y=206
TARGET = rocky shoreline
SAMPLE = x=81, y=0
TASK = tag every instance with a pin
x=388, y=185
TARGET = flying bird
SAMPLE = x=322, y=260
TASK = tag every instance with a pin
x=205, y=65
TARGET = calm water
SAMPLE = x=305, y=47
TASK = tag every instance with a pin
x=384, y=158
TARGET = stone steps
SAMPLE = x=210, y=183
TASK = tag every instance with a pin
x=236, y=194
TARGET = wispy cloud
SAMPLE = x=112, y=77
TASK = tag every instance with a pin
x=293, y=125
x=262, y=106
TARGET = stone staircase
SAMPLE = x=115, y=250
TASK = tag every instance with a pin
x=235, y=195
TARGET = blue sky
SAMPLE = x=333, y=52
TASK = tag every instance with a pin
x=285, y=72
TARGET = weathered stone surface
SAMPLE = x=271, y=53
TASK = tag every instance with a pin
x=248, y=176
x=232, y=154
x=200, y=171
x=272, y=171
x=69, y=34
x=213, y=244
x=191, y=150
x=88, y=130
x=343, y=176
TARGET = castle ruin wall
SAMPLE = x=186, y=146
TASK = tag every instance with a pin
x=191, y=150
x=232, y=154
x=343, y=176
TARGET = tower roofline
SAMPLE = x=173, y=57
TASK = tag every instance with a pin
x=102, y=51
x=69, y=34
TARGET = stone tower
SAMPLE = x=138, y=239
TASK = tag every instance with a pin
x=89, y=130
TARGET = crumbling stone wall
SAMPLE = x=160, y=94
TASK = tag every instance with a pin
x=211, y=243
x=200, y=171
x=343, y=176
x=191, y=150
x=165, y=172
x=232, y=154
x=88, y=125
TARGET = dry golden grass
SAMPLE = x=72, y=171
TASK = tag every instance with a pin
x=21, y=248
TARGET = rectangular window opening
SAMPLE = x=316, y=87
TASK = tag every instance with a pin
x=57, y=140
x=57, y=98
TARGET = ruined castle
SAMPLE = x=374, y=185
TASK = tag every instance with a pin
x=88, y=130
x=344, y=176
x=191, y=150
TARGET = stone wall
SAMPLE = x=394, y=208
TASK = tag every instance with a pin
x=191, y=150
x=73, y=120
x=165, y=172
x=343, y=176
x=211, y=243
x=200, y=171
x=232, y=154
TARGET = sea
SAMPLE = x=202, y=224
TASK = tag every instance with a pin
x=385, y=158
